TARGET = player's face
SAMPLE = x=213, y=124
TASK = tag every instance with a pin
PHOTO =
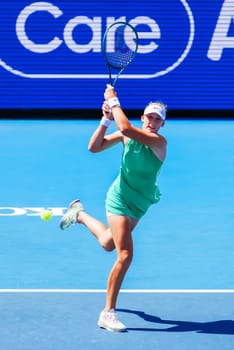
x=152, y=122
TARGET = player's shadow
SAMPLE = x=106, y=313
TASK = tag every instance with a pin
x=214, y=327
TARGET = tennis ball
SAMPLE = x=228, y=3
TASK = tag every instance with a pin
x=46, y=215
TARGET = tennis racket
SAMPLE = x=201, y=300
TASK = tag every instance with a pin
x=119, y=47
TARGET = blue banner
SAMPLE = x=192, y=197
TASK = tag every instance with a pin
x=50, y=54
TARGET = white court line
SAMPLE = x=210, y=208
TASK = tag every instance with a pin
x=121, y=291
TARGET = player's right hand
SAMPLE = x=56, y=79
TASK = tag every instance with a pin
x=106, y=110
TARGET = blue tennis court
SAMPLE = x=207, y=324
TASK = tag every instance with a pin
x=179, y=290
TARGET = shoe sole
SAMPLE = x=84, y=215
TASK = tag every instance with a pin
x=103, y=326
x=69, y=207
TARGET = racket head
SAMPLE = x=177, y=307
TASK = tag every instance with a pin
x=119, y=46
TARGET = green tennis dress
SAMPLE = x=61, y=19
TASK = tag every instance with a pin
x=135, y=188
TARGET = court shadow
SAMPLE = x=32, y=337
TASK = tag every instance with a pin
x=214, y=327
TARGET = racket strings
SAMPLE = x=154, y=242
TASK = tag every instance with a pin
x=120, y=54
x=119, y=60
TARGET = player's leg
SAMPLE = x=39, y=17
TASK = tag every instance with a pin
x=121, y=228
x=98, y=229
x=76, y=214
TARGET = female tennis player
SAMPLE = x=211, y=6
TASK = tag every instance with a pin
x=129, y=196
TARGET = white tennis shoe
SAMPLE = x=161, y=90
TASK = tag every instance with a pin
x=70, y=218
x=109, y=321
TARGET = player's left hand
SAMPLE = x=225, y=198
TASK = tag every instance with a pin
x=109, y=92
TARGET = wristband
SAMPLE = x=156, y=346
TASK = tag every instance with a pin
x=113, y=102
x=105, y=122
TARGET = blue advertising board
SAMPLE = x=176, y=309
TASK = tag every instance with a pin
x=51, y=58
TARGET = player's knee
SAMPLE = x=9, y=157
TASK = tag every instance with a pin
x=107, y=245
x=106, y=241
x=126, y=256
